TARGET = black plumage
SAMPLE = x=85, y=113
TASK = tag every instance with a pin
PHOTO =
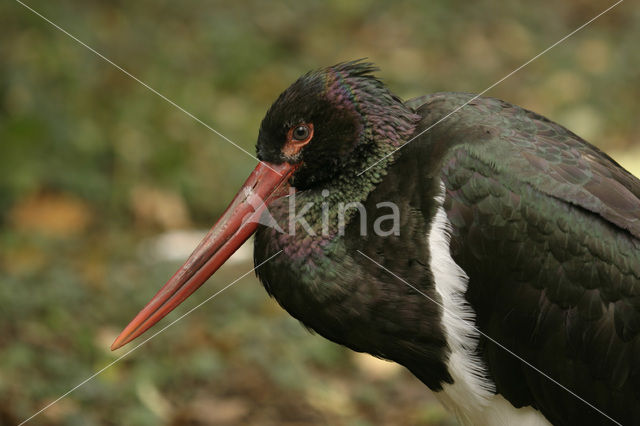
x=511, y=275
x=547, y=228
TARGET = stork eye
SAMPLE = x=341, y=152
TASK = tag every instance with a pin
x=301, y=133
x=297, y=138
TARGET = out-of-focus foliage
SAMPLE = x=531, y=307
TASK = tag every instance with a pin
x=93, y=165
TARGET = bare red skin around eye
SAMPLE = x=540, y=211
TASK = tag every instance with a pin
x=293, y=146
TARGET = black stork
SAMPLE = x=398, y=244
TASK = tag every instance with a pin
x=496, y=255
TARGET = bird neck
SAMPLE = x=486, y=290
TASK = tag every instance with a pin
x=387, y=125
x=317, y=215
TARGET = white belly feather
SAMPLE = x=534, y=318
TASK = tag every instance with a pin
x=471, y=397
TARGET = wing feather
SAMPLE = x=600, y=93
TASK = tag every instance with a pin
x=548, y=229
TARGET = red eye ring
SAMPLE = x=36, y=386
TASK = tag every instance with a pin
x=297, y=137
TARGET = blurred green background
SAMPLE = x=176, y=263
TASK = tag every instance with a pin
x=101, y=182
